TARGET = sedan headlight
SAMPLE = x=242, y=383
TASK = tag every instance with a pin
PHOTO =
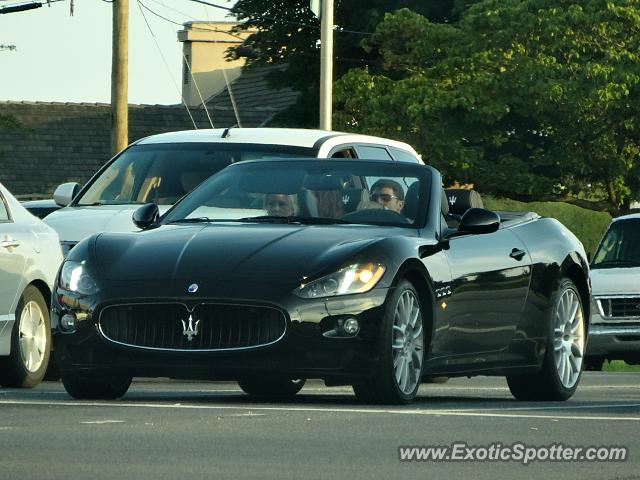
x=357, y=278
x=75, y=278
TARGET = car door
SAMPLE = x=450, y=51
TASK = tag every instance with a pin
x=490, y=281
x=12, y=261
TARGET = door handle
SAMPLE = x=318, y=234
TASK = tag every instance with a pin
x=10, y=243
x=517, y=254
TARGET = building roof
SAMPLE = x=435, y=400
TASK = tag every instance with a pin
x=66, y=142
x=256, y=102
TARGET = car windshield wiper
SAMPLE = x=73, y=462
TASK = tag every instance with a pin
x=109, y=202
x=193, y=220
x=293, y=219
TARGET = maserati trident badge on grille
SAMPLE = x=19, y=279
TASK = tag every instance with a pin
x=193, y=288
x=190, y=329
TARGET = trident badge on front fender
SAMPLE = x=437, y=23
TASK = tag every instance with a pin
x=190, y=329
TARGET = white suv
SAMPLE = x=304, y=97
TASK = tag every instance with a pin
x=615, y=278
x=162, y=168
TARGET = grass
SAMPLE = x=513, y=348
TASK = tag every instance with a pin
x=619, y=366
x=587, y=225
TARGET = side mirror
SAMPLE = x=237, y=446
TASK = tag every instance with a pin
x=146, y=215
x=65, y=193
x=479, y=220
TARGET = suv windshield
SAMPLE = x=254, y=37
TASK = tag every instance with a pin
x=162, y=173
x=620, y=246
x=310, y=192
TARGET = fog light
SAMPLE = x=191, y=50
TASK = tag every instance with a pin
x=68, y=322
x=351, y=326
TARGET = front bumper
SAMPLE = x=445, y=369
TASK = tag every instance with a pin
x=615, y=342
x=305, y=350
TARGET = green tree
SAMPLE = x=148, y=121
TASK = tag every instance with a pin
x=527, y=98
x=288, y=35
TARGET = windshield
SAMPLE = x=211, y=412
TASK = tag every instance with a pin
x=163, y=173
x=311, y=191
x=620, y=246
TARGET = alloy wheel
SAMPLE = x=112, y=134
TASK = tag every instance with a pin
x=568, y=338
x=407, y=338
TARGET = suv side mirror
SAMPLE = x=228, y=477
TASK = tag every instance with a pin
x=65, y=192
x=146, y=215
x=479, y=220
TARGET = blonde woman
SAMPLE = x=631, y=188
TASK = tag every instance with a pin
x=281, y=205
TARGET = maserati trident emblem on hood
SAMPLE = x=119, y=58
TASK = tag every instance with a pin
x=193, y=288
x=190, y=329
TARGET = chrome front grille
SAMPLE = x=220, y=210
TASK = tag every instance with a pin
x=208, y=327
x=619, y=307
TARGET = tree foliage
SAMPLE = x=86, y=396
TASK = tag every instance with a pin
x=524, y=98
x=288, y=34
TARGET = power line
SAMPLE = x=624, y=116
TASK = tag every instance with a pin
x=140, y=5
x=181, y=24
x=289, y=22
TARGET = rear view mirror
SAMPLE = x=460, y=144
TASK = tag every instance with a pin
x=146, y=215
x=479, y=220
x=65, y=193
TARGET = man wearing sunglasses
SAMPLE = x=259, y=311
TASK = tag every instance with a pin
x=389, y=194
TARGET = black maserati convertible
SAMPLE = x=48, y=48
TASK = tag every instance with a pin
x=355, y=272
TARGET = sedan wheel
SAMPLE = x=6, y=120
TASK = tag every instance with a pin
x=30, y=342
x=401, y=350
x=564, y=357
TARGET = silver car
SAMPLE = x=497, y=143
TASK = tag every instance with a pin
x=29, y=259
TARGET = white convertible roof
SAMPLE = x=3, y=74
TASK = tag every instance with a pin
x=296, y=137
x=627, y=217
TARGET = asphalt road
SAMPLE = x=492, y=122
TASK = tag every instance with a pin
x=185, y=430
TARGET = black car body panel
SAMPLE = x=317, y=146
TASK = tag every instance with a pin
x=486, y=297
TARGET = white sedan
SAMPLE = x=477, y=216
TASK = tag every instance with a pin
x=29, y=259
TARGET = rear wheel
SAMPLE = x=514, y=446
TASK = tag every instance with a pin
x=564, y=357
x=271, y=386
x=94, y=386
x=400, y=351
x=30, y=342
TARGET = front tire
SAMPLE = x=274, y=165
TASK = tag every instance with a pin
x=30, y=342
x=400, y=351
x=93, y=386
x=271, y=387
x=563, y=361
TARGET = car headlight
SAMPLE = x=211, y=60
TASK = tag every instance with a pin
x=357, y=278
x=75, y=278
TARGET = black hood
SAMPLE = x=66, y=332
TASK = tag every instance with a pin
x=215, y=252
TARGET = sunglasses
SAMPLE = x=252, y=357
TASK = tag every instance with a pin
x=385, y=197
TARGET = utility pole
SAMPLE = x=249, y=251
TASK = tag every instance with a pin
x=120, y=77
x=326, y=64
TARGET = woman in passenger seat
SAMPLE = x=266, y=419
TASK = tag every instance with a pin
x=280, y=205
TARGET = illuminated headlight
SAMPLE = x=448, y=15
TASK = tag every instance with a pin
x=358, y=278
x=75, y=278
